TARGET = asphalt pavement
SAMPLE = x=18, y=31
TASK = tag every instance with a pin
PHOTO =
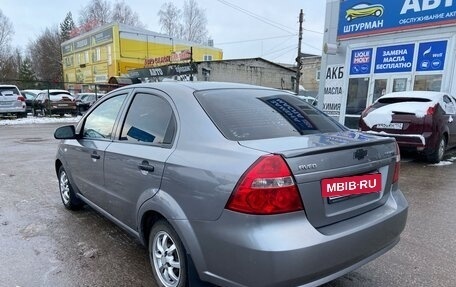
x=43, y=244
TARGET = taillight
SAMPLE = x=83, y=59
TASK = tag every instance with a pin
x=430, y=111
x=267, y=187
x=366, y=110
x=21, y=98
x=397, y=165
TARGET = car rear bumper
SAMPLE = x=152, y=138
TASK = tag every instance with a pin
x=409, y=141
x=286, y=250
x=7, y=110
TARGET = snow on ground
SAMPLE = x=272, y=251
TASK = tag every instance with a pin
x=449, y=161
x=38, y=120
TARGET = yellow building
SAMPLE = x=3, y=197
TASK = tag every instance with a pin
x=114, y=49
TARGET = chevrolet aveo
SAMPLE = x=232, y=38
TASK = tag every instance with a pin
x=233, y=185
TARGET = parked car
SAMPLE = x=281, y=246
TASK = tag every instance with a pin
x=423, y=122
x=30, y=96
x=85, y=100
x=232, y=184
x=50, y=102
x=12, y=102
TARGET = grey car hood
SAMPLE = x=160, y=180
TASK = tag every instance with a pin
x=318, y=143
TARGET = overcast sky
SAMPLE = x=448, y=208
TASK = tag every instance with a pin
x=239, y=35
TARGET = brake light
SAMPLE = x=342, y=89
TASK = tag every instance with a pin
x=267, y=187
x=366, y=110
x=21, y=98
x=430, y=111
x=397, y=165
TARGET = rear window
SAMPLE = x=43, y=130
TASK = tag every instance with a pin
x=9, y=90
x=242, y=114
x=402, y=100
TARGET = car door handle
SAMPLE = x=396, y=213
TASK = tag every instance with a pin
x=95, y=156
x=146, y=166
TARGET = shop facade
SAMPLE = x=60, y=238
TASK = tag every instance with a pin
x=382, y=47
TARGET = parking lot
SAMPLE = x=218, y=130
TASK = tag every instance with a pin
x=42, y=244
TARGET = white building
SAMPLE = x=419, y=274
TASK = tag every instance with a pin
x=385, y=46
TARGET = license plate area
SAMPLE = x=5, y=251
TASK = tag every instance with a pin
x=342, y=188
x=391, y=126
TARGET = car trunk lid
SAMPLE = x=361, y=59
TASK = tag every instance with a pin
x=340, y=157
x=400, y=115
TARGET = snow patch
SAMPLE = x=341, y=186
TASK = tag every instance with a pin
x=442, y=163
x=384, y=115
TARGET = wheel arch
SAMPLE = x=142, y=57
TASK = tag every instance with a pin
x=163, y=206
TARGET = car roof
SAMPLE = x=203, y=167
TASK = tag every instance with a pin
x=8, y=86
x=415, y=94
x=195, y=86
x=56, y=91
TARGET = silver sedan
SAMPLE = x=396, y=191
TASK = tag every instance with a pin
x=234, y=185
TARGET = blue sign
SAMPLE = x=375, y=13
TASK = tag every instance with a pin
x=360, y=17
x=361, y=61
x=394, y=59
x=431, y=56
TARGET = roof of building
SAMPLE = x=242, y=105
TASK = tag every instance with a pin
x=249, y=59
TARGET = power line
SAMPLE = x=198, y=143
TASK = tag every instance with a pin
x=286, y=52
x=258, y=17
x=255, y=40
x=279, y=50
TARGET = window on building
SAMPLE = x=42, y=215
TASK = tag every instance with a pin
x=86, y=57
x=207, y=57
x=428, y=83
x=317, y=75
x=357, y=95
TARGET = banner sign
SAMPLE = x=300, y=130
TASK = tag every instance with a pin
x=175, y=57
x=361, y=18
x=431, y=56
x=394, y=59
x=361, y=61
x=165, y=71
x=332, y=97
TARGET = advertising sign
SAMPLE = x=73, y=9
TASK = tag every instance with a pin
x=361, y=61
x=360, y=17
x=332, y=97
x=431, y=56
x=394, y=59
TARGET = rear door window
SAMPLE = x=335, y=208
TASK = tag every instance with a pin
x=242, y=114
x=150, y=119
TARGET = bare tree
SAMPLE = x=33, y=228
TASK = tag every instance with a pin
x=188, y=25
x=194, y=22
x=46, y=54
x=170, y=17
x=95, y=14
x=6, y=32
x=122, y=13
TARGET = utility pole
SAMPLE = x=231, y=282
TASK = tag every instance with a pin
x=298, y=59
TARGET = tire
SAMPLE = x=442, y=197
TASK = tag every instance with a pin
x=21, y=115
x=69, y=198
x=436, y=155
x=167, y=256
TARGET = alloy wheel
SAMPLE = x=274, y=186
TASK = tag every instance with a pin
x=64, y=188
x=166, y=259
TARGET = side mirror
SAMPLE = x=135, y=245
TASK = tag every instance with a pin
x=65, y=133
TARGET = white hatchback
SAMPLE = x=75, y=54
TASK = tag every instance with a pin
x=12, y=102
